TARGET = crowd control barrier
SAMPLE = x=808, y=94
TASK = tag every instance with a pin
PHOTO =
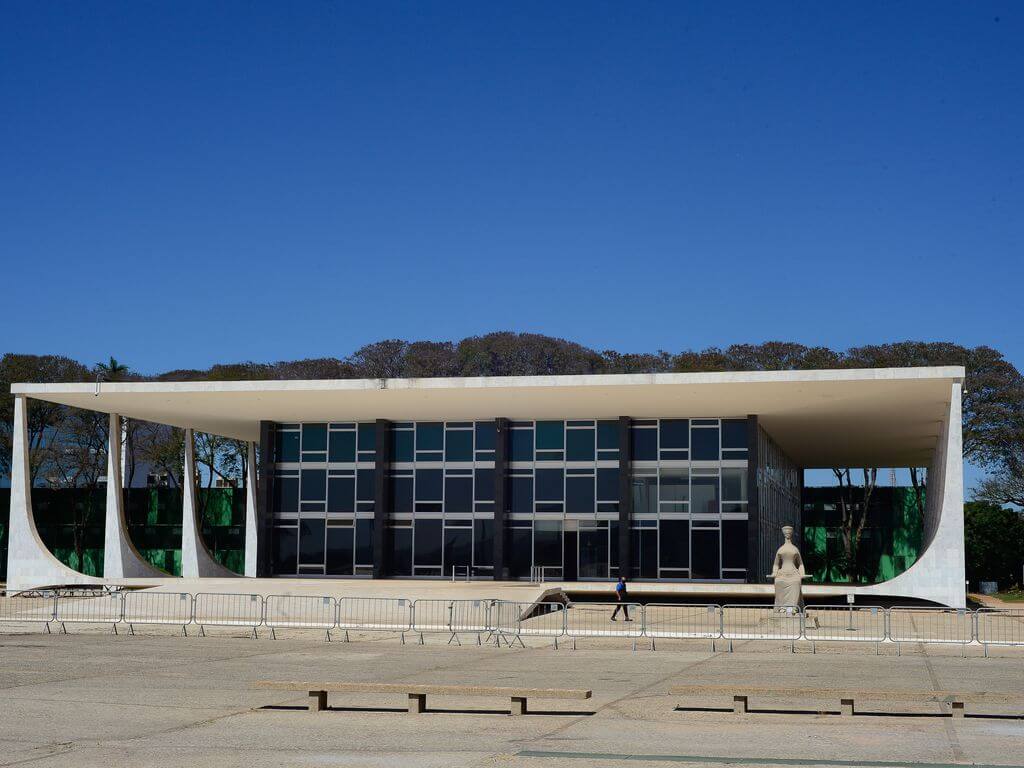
x=995, y=626
x=103, y=608
x=213, y=609
x=761, y=622
x=846, y=623
x=173, y=608
x=22, y=609
x=931, y=625
x=452, y=617
x=513, y=620
x=300, y=612
x=670, y=620
x=596, y=620
x=375, y=614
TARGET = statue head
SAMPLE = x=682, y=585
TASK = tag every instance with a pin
x=787, y=532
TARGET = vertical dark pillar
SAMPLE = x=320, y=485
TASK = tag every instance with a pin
x=755, y=573
x=798, y=525
x=625, y=497
x=382, y=547
x=501, y=449
x=265, y=502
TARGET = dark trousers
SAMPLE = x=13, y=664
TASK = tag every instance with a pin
x=621, y=607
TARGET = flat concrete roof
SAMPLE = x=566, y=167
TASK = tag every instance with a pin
x=877, y=417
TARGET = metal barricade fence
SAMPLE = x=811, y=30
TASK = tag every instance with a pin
x=931, y=625
x=849, y=623
x=451, y=617
x=997, y=626
x=20, y=609
x=173, y=608
x=300, y=612
x=375, y=614
x=227, y=610
x=511, y=621
x=103, y=608
x=670, y=620
x=760, y=622
x=599, y=620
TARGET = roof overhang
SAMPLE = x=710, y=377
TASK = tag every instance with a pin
x=884, y=417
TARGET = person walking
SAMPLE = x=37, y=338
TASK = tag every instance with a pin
x=621, y=597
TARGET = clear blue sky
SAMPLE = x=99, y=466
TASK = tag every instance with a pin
x=185, y=183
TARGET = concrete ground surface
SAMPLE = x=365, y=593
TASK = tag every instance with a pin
x=156, y=699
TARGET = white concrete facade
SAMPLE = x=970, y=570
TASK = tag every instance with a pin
x=885, y=417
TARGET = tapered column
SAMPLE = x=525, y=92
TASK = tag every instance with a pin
x=755, y=569
x=251, y=511
x=625, y=497
x=196, y=560
x=265, y=499
x=121, y=560
x=29, y=563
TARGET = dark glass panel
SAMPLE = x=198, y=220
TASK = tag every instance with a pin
x=342, y=446
x=704, y=495
x=458, y=445
x=429, y=485
x=734, y=484
x=675, y=433
x=314, y=437
x=286, y=494
x=644, y=444
x=430, y=436
x=645, y=552
x=674, y=543
x=401, y=493
x=734, y=544
x=314, y=485
x=521, y=445
x=458, y=494
x=547, y=542
x=549, y=485
x=340, y=548
x=579, y=445
x=550, y=435
x=428, y=542
x=579, y=494
x=367, y=436
x=364, y=542
x=705, y=444
x=485, y=434
x=520, y=552
x=286, y=446
x=705, y=555
x=458, y=548
x=286, y=551
x=484, y=490
x=645, y=494
x=593, y=553
x=734, y=433
x=608, y=484
x=402, y=445
x=341, y=492
x=613, y=547
x=483, y=542
x=364, y=485
x=608, y=435
x=521, y=493
x=401, y=560
x=311, y=542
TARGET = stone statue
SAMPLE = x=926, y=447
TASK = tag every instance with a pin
x=788, y=573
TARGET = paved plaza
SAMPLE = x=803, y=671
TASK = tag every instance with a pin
x=94, y=699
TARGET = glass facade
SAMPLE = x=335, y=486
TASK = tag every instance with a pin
x=688, y=496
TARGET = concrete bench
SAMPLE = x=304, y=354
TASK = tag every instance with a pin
x=847, y=696
x=418, y=693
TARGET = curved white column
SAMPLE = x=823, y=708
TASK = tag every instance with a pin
x=121, y=560
x=939, y=572
x=29, y=563
x=251, y=518
x=196, y=559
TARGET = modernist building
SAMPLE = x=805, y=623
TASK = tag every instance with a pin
x=672, y=477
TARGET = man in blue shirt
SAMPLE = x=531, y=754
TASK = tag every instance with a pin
x=621, y=597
